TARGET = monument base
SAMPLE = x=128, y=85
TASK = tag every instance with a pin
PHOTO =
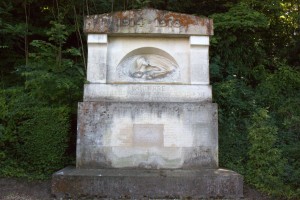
x=143, y=183
x=156, y=135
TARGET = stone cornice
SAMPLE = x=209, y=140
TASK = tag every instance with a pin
x=148, y=22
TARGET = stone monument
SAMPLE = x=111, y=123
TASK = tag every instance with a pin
x=147, y=126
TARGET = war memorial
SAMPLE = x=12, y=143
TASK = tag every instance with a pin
x=147, y=127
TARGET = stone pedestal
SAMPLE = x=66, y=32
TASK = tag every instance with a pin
x=144, y=183
x=147, y=126
x=154, y=135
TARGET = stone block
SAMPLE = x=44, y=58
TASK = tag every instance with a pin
x=139, y=184
x=97, y=53
x=147, y=135
x=148, y=21
x=147, y=93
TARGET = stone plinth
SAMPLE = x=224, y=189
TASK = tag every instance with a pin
x=147, y=135
x=139, y=184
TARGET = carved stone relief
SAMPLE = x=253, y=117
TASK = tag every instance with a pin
x=148, y=68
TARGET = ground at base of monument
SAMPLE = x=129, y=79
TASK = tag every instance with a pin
x=143, y=183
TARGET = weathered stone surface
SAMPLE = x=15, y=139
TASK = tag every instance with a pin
x=147, y=135
x=116, y=59
x=147, y=93
x=188, y=59
x=97, y=62
x=148, y=21
x=138, y=184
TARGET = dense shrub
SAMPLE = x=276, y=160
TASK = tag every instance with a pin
x=33, y=137
x=265, y=166
x=45, y=138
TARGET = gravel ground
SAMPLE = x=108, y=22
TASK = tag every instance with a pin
x=20, y=189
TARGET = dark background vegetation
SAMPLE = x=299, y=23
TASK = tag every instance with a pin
x=254, y=69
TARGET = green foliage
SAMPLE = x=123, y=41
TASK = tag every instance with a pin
x=236, y=103
x=265, y=166
x=237, y=26
x=247, y=74
x=281, y=86
x=140, y=3
x=280, y=92
x=240, y=18
x=52, y=75
x=15, y=107
x=33, y=137
x=45, y=139
x=11, y=36
x=35, y=121
x=58, y=32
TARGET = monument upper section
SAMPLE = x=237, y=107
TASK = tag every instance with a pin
x=148, y=21
x=148, y=55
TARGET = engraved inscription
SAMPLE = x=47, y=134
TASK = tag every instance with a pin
x=148, y=92
x=171, y=22
x=89, y=23
x=150, y=21
x=125, y=22
x=140, y=22
x=162, y=23
x=167, y=23
x=148, y=135
x=177, y=24
x=161, y=92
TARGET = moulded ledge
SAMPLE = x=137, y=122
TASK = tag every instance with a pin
x=147, y=93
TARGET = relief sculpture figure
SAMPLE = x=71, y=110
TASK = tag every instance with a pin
x=152, y=67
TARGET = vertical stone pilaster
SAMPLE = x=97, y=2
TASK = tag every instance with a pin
x=199, y=59
x=97, y=58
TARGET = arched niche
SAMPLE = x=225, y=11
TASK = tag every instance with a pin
x=148, y=64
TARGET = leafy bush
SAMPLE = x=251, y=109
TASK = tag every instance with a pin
x=248, y=72
x=33, y=137
x=236, y=105
x=52, y=76
x=45, y=139
x=35, y=119
x=280, y=92
x=15, y=108
x=265, y=165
